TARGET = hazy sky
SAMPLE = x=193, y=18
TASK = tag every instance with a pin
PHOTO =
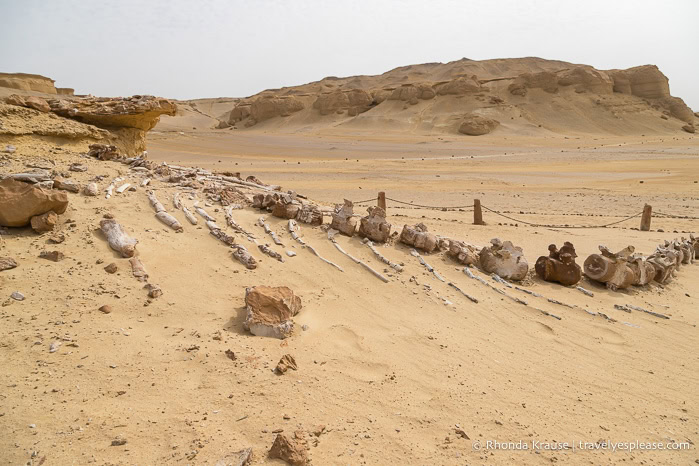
x=210, y=48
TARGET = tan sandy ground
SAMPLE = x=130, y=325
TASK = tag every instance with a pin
x=390, y=369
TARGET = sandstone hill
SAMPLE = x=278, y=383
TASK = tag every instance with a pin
x=523, y=96
x=32, y=82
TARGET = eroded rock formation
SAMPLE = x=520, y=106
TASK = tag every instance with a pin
x=477, y=125
x=354, y=101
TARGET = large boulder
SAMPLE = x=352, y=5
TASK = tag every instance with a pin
x=374, y=226
x=504, y=259
x=476, y=125
x=20, y=201
x=270, y=310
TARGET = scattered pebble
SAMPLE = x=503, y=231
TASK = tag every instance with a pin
x=17, y=296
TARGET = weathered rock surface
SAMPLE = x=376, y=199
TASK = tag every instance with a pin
x=354, y=101
x=504, y=259
x=292, y=450
x=20, y=201
x=28, y=82
x=91, y=189
x=37, y=103
x=44, y=222
x=477, y=125
x=418, y=237
x=267, y=106
x=374, y=226
x=343, y=220
x=270, y=311
x=459, y=86
x=559, y=266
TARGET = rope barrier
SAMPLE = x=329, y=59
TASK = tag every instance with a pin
x=561, y=226
x=675, y=216
x=470, y=207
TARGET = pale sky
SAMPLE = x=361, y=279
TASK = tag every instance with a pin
x=214, y=48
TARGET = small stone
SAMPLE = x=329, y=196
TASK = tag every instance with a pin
x=304, y=327
x=290, y=253
x=54, y=256
x=57, y=238
x=76, y=167
x=54, y=346
x=154, y=291
x=106, y=309
x=111, y=268
x=285, y=363
x=118, y=442
x=32, y=426
x=7, y=263
x=10, y=149
x=44, y=222
x=231, y=355
x=17, y=296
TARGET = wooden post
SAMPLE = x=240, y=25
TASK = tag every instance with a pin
x=645, y=218
x=477, y=212
x=382, y=200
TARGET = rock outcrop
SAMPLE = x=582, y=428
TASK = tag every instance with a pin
x=270, y=311
x=504, y=259
x=269, y=106
x=459, y=86
x=122, y=122
x=354, y=101
x=477, y=125
x=28, y=82
x=586, y=79
x=20, y=201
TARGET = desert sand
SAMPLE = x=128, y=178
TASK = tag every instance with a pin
x=407, y=372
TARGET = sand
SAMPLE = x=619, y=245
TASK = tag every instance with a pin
x=389, y=369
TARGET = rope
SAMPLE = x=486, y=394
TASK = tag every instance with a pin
x=561, y=226
x=368, y=200
x=470, y=206
x=675, y=216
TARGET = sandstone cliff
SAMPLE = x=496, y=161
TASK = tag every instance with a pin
x=528, y=95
